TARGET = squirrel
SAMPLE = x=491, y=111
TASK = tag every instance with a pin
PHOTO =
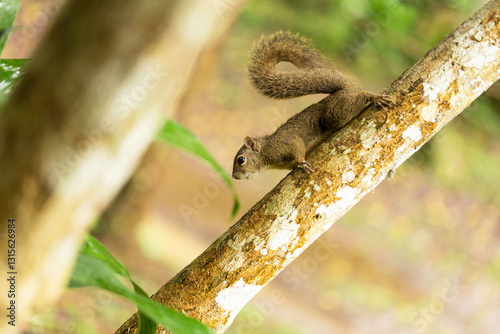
x=289, y=146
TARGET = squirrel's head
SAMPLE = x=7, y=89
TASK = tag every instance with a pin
x=248, y=160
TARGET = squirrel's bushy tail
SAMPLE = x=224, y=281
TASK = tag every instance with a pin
x=314, y=75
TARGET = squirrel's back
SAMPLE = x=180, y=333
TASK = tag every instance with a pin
x=315, y=74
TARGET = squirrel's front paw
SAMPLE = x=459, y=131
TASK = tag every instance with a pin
x=306, y=167
x=383, y=102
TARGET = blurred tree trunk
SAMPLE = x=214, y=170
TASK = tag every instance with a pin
x=216, y=285
x=72, y=132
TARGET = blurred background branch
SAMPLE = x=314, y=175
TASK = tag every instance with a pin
x=91, y=101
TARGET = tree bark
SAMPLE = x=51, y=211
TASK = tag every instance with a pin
x=216, y=285
x=75, y=127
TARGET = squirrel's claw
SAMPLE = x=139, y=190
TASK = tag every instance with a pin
x=306, y=167
x=383, y=102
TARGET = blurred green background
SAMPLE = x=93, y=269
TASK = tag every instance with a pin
x=419, y=255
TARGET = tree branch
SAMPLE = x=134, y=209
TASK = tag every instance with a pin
x=216, y=285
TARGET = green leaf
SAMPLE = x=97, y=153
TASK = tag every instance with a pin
x=8, y=12
x=10, y=71
x=95, y=266
x=92, y=271
x=93, y=248
x=180, y=137
x=146, y=325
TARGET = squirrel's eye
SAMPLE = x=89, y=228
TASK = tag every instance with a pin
x=241, y=160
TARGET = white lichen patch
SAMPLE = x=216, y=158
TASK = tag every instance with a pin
x=233, y=298
x=429, y=113
x=348, y=177
x=369, y=176
x=283, y=232
x=347, y=196
x=479, y=35
x=439, y=85
x=413, y=133
x=236, y=262
x=480, y=54
x=366, y=179
x=367, y=137
x=259, y=244
x=373, y=154
x=324, y=209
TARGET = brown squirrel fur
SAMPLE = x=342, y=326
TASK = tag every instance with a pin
x=289, y=146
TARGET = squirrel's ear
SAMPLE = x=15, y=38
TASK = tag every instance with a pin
x=251, y=144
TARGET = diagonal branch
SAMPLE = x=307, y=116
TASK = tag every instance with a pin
x=216, y=285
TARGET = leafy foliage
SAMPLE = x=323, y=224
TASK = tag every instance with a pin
x=95, y=266
x=180, y=137
x=8, y=12
x=10, y=71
